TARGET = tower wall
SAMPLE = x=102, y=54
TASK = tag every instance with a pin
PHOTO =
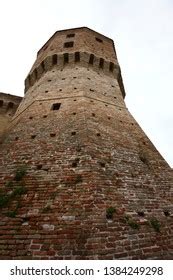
x=83, y=180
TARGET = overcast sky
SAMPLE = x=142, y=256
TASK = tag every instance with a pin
x=143, y=34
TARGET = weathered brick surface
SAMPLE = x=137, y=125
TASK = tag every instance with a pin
x=81, y=160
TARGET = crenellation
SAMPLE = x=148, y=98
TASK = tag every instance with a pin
x=61, y=60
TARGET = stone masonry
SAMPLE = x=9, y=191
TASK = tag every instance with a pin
x=79, y=179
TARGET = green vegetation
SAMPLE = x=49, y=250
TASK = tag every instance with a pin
x=155, y=224
x=20, y=173
x=133, y=224
x=4, y=199
x=19, y=191
x=12, y=214
x=9, y=184
x=110, y=212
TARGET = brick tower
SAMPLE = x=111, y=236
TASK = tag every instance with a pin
x=79, y=177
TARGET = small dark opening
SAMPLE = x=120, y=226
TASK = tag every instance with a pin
x=74, y=164
x=56, y=106
x=166, y=213
x=46, y=91
x=74, y=77
x=75, y=88
x=42, y=65
x=29, y=79
x=63, y=79
x=60, y=89
x=99, y=40
x=1, y=103
x=111, y=67
x=33, y=136
x=70, y=35
x=113, y=86
x=10, y=105
x=93, y=114
x=66, y=58
x=141, y=213
x=109, y=118
x=91, y=89
x=88, y=78
x=54, y=59
x=91, y=59
x=45, y=116
x=101, y=63
x=39, y=166
x=49, y=80
x=52, y=134
x=16, y=138
x=77, y=56
x=98, y=134
x=73, y=133
x=74, y=100
x=102, y=164
x=35, y=73
x=74, y=113
x=68, y=44
x=31, y=118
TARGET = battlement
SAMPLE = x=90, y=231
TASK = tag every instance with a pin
x=8, y=106
x=9, y=103
x=85, y=59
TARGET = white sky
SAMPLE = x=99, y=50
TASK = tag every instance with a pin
x=143, y=34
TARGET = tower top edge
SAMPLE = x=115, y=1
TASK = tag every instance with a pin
x=74, y=29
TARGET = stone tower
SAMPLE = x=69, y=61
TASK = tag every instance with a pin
x=79, y=177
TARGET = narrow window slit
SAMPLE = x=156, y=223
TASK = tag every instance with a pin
x=70, y=35
x=111, y=67
x=91, y=59
x=66, y=58
x=54, y=59
x=101, y=63
x=77, y=56
x=42, y=65
x=68, y=44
